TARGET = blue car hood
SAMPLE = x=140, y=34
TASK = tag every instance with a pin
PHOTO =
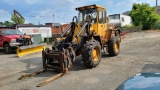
x=142, y=81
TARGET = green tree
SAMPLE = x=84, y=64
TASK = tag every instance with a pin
x=19, y=21
x=144, y=15
x=31, y=23
x=7, y=23
x=1, y=23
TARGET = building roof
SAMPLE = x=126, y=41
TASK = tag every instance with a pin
x=118, y=14
x=29, y=25
x=126, y=13
x=90, y=6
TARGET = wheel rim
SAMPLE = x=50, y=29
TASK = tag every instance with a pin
x=116, y=46
x=95, y=54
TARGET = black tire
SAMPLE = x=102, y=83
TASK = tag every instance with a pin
x=7, y=49
x=114, y=46
x=117, y=34
x=87, y=55
x=49, y=60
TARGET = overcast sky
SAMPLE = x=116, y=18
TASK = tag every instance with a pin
x=60, y=11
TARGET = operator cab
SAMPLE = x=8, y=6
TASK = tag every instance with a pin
x=96, y=15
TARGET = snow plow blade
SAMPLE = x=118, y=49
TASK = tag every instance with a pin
x=31, y=49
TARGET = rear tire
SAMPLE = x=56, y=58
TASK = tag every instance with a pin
x=118, y=35
x=91, y=53
x=114, y=46
x=7, y=49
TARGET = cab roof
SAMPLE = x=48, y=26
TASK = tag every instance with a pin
x=90, y=6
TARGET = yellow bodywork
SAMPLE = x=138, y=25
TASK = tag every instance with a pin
x=31, y=49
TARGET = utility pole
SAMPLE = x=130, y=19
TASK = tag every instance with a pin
x=156, y=6
x=53, y=19
x=156, y=3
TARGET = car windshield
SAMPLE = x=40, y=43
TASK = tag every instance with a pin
x=11, y=32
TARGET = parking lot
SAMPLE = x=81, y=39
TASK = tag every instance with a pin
x=140, y=52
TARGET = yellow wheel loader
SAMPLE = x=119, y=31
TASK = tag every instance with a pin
x=88, y=35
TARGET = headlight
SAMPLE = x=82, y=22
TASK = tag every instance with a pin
x=13, y=40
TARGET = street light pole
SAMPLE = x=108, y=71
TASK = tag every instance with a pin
x=156, y=3
x=53, y=19
x=157, y=6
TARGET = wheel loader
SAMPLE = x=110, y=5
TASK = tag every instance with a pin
x=88, y=35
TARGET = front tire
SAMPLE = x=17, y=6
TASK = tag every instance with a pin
x=7, y=49
x=91, y=53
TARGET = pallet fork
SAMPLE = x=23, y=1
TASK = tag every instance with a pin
x=54, y=60
x=59, y=55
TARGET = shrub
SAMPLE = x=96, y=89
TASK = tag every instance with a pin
x=128, y=26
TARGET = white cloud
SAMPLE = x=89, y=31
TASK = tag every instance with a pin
x=11, y=2
x=5, y=15
x=34, y=1
x=41, y=16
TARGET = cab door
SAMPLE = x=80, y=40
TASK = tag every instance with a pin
x=101, y=24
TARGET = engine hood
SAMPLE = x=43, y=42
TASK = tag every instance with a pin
x=16, y=36
x=13, y=36
x=142, y=81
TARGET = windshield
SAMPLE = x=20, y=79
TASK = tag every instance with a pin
x=11, y=32
x=85, y=13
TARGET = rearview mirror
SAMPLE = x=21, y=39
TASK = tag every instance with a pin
x=0, y=35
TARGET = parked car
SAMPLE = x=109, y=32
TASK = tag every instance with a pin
x=142, y=81
x=10, y=39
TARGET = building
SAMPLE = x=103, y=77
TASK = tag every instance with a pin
x=120, y=19
x=57, y=28
x=158, y=10
x=126, y=13
x=43, y=30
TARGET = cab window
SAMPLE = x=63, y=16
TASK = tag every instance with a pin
x=100, y=19
x=104, y=17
